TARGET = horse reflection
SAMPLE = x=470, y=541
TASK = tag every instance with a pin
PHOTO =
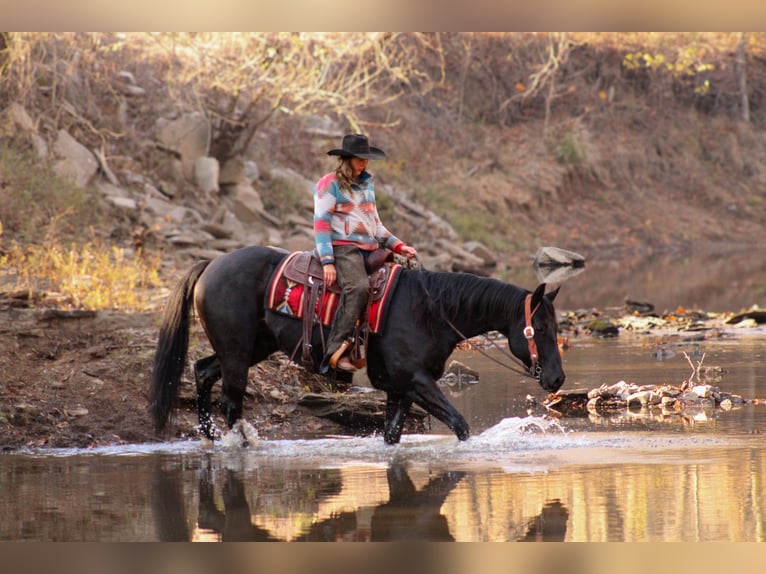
x=234, y=523
x=550, y=525
x=410, y=514
x=413, y=514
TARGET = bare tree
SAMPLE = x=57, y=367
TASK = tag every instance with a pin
x=242, y=80
x=742, y=76
x=543, y=81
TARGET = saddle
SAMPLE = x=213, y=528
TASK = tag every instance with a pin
x=305, y=268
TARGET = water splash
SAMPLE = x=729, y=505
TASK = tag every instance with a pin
x=520, y=427
x=241, y=435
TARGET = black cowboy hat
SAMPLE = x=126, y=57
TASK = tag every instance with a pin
x=357, y=145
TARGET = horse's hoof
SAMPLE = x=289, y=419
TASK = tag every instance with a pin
x=389, y=439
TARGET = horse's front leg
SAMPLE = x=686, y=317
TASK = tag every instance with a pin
x=428, y=395
x=397, y=407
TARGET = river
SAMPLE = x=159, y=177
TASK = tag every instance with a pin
x=639, y=476
x=521, y=476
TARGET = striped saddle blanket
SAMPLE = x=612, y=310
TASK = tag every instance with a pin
x=287, y=291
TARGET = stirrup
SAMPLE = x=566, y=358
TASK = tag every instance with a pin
x=338, y=354
x=345, y=365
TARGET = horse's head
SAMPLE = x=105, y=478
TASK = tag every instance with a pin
x=532, y=339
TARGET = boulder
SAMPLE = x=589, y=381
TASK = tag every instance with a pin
x=21, y=118
x=233, y=172
x=246, y=203
x=481, y=251
x=557, y=257
x=206, y=173
x=187, y=136
x=75, y=162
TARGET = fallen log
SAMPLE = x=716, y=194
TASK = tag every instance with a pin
x=361, y=411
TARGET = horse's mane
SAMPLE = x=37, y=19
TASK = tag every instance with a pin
x=448, y=294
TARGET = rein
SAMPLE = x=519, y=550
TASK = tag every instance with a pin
x=529, y=333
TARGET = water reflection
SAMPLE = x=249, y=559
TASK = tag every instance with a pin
x=712, y=278
x=411, y=513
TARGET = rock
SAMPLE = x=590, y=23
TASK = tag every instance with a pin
x=251, y=172
x=703, y=391
x=20, y=118
x=233, y=172
x=110, y=190
x=638, y=399
x=556, y=274
x=246, y=203
x=40, y=145
x=224, y=244
x=76, y=161
x=216, y=230
x=322, y=126
x=187, y=136
x=297, y=183
x=439, y=262
x=201, y=253
x=159, y=206
x=757, y=316
x=462, y=370
x=557, y=257
x=482, y=252
x=124, y=203
x=462, y=260
x=602, y=328
x=206, y=171
x=620, y=389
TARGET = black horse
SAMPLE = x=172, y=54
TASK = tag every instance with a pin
x=428, y=315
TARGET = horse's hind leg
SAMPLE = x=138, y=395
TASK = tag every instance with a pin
x=397, y=407
x=427, y=395
x=206, y=372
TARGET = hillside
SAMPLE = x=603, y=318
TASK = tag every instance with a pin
x=596, y=142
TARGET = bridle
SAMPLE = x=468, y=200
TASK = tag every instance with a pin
x=529, y=334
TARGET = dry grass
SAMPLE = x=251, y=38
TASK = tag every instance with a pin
x=47, y=244
x=91, y=276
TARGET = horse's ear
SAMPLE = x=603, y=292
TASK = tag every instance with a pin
x=537, y=296
x=552, y=295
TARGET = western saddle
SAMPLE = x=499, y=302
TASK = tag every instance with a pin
x=306, y=270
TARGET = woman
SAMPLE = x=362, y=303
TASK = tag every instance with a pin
x=347, y=228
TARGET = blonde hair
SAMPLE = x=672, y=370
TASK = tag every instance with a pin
x=344, y=174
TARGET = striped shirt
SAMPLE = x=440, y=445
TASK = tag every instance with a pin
x=348, y=217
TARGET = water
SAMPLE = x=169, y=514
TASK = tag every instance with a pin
x=522, y=476
x=713, y=278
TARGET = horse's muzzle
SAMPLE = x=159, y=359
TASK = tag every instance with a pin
x=552, y=384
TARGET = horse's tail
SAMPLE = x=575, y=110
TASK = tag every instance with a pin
x=170, y=356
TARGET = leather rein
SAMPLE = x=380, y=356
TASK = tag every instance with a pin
x=529, y=334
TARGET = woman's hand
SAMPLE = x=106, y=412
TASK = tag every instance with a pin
x=408, y=251
x=330, y=274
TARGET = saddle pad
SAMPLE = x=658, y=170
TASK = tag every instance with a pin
x=285, y=296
